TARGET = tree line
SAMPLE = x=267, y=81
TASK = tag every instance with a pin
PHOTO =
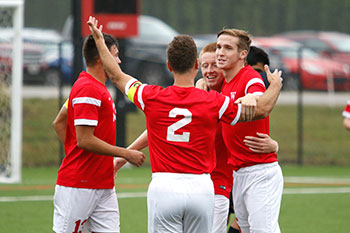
x=259, y=17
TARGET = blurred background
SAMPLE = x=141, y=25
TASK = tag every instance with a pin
x=308, y=39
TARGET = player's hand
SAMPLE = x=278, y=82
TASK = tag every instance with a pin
x=135, y=157
x=275, y=77
x=96, y=32
x=248, y=103
x=201, y=84
x=263, y=143
x=118, y=163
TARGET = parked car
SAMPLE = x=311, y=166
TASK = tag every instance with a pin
x=145, y=54
x=33, y=65
x=317, y=73
x=58, y=54
x=43, y=68
x=334, y=45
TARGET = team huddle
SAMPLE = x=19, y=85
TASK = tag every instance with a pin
x=203, y=141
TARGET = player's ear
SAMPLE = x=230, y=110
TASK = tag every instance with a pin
x=196, y=64
x=169, y=67
x=98, y=61
x=243, y=54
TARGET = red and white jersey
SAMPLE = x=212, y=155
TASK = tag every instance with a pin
x=181, y=125
x=246, y=81
x=90, y=104
x=346, y=112
x=222, y=173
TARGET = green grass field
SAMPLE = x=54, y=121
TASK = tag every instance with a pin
x=318, y=205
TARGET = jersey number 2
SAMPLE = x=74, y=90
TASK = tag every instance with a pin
x=185, y=136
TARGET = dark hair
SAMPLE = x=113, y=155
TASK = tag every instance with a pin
x=244, y=40
x=182, y=53
x=90, y=51
x=257, y=55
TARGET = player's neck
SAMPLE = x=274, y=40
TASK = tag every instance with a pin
x=232, y=72
x=98, y=73
x=184, y=80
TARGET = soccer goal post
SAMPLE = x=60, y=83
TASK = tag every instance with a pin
x=11, y=16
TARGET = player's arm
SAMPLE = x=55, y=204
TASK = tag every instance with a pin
x=263, y=143
x=88, y=141
x=111, y=66
x=265, y=102
x=201, y=84
x=346, y=123
x=140, y=143
x=60, y=122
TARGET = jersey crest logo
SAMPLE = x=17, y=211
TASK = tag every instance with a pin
x=222, y=187
x=233, y=94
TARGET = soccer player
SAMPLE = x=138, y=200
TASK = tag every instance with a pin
x=258, y=180
x=181, y=123
x=222, y=173
x=85, y=197
x=346, y=115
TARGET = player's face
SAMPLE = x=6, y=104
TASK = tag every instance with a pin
x=227, y=54
x=115, y=52
x=212, y=75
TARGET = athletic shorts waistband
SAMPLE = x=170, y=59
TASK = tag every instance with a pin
x=178, y=175
x=256, y=167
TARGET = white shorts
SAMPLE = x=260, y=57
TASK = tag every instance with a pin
x=181, y=203
x=222, y=204
x=85, y=210
x=257, y=194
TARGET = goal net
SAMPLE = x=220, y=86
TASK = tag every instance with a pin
x=11, y=16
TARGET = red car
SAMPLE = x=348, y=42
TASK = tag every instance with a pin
x=317, y=73
x=334, y=45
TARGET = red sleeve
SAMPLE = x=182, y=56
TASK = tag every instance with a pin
x=86, y=105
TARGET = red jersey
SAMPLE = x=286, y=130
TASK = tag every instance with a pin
x=90, y=104
x=181, y=125
x=246, y=81
x=222, y=173
x=346, y=112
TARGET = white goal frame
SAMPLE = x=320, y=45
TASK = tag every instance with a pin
x=16, y=93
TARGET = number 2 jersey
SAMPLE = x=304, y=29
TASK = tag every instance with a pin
x=181, y=125
x=90, y=104
x=246, y=81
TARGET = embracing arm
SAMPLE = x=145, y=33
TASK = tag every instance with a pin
x=259, y=107
x=88, y=141
x=267, y=101
x=263, y=143
x=140, y=143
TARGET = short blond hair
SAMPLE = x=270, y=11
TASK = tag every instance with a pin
x=244, y=39
x=209, y=48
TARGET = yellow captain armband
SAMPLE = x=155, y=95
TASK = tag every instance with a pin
x=132, y=90
x=66, y=103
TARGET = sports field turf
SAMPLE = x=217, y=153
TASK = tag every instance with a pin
x=315, y=200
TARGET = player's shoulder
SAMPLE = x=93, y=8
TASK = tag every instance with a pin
x=85, y=86
x=250, y=73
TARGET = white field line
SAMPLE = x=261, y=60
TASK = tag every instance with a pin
x=316, y=180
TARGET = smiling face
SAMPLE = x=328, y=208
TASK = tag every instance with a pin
x=228, y=55
x=213, y=76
